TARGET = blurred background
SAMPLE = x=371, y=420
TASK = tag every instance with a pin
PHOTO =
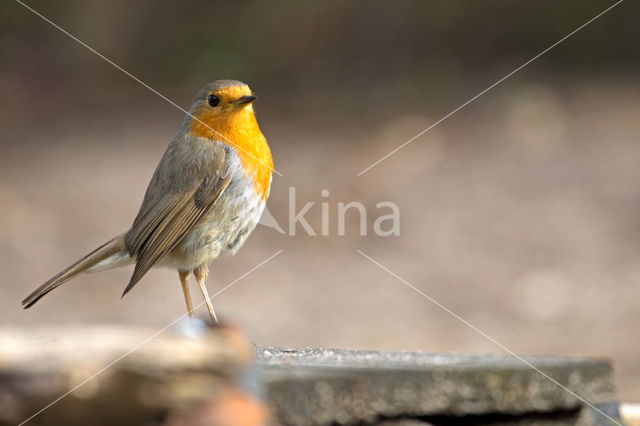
x=519, y=213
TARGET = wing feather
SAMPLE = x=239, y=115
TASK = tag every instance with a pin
x=169, y=212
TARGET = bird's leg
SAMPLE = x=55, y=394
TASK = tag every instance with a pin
x=201, y=273
x=184, y=280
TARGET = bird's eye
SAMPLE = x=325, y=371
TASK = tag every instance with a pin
x=213, y=100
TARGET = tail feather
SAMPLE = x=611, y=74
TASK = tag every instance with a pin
x=100, y=254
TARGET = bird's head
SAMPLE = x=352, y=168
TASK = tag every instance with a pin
x=222, y=106
x=223, y=112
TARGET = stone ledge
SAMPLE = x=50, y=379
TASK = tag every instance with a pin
x=193, y=373
x=319, y=386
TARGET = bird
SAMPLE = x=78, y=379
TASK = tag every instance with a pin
x=204, y=199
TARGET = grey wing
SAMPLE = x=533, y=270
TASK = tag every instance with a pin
x=188, y=181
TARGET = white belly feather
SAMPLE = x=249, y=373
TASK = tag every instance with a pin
x=223, y=230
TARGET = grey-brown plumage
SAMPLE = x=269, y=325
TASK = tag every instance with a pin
x=201, y=203
x=177, y=197
x=105, y=251
x=186, y=184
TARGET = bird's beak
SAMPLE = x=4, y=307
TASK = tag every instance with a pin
x=244, y=100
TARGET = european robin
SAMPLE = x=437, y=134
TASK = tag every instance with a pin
x=204, y=199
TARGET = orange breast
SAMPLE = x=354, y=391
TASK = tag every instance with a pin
x=240, y=130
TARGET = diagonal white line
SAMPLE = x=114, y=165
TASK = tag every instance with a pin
x=485, y=335
x=489, y=88
x=144, y=342
x=127, y=73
